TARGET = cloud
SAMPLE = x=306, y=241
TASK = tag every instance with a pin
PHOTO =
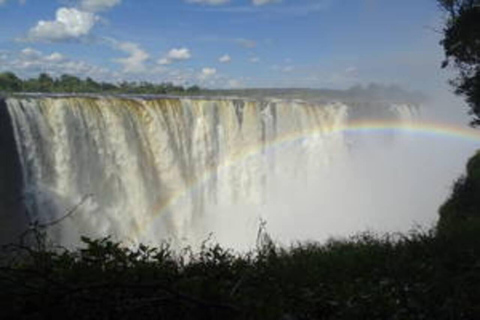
x=261, y=7
x=209, y=2
x=174, y=55
x=207, y=73
x=179, y=54
x=2, y=2
x=180, y=76
x=135, y=62
x=264, y=2
x=30, y=53
x=163, y=61
x=98, y=5
x=351, y=70
x=55, y=57
x=69, y=24
x=254, y=59
x=225, y=59
x=234, y=84
x=285, y=69
x=246, y=43
x=223, y=2
x=209, y=77
x=30, y=62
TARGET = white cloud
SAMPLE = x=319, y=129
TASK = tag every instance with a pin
x=225, y=59
x=264, y=2
x=163, y=61
x=209, y=77
x=179, y=54
x=254, y=59
x=98, y=5
x=30, y=53
x=180, y=76
x=30, y=62
x=207, y=73
x=209, y=2
x=55, y=57
x=135, y=62
x=69, y=23
x=174, y=55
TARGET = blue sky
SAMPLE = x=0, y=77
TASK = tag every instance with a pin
x=227, y=43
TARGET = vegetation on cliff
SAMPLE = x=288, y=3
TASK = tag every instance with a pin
x=461, y=43
x=463, y=206
x=419, y=276
x=44, y=83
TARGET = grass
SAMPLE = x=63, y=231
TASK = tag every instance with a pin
x=423, y=275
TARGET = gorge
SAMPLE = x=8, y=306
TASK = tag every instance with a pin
x=148, y=169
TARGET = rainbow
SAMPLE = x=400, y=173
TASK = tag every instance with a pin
x=439, y=129
x=423, y=128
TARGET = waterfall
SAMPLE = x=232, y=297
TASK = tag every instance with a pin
x=145, y=170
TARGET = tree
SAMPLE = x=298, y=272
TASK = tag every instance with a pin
x=193, y=89
x=10, y=82
x=461, y=44
x=463, y=206
x=45, y=82
x=91, y=85
x=69, y=83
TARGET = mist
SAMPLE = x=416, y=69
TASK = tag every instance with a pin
x=381, y=182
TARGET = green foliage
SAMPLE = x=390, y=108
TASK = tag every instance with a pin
x=419, y=276
x=463, y=206
x=9, y=82
x=461, y=44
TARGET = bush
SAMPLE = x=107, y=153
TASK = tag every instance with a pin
x=422, y=275
x=463, y=206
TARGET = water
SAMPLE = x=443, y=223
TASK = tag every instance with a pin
x=146, y=170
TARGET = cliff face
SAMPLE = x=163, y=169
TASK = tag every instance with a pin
x=12, y=211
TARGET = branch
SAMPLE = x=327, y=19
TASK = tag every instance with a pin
x=172, y=292
x=68, y=214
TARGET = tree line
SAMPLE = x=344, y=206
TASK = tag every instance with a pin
x=66, y=83
x=461, y=44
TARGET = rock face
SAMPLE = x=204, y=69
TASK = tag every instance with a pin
x=12, y=212
x=148, y=168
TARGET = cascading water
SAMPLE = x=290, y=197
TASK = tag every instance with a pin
x=179, y=168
